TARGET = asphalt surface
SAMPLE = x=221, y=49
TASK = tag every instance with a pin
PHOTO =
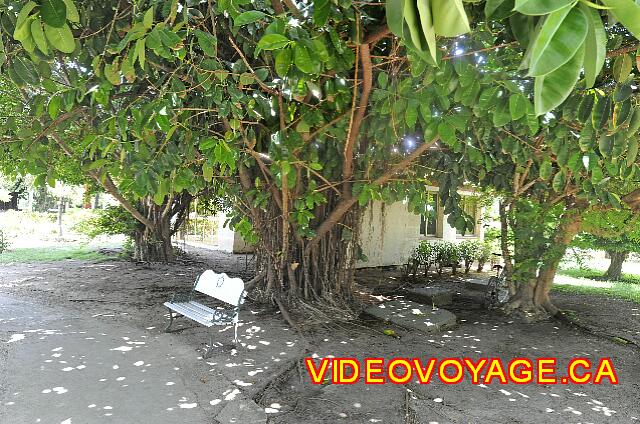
x=63, y=366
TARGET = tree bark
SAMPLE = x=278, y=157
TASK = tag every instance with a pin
x=532, y=296
x=152, y=243
x=615, y=267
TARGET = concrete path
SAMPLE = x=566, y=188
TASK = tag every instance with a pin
x=58, y=366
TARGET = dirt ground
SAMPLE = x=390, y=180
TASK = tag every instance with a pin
x=120, y=290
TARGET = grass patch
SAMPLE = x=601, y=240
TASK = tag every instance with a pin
x=595, y=274
x=51, y=254
x=627, y=291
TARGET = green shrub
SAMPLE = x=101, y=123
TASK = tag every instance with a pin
x=4, y=242
x=113, y=220
x=470, y=251
x=486, y=250
x=423, y=255
x=447, y=254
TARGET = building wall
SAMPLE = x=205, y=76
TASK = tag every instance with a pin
x=389, y=233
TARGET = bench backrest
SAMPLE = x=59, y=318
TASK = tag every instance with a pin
x=221, y=287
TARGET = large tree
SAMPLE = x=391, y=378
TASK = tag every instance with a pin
x=305, y=112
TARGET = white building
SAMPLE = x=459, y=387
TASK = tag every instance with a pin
x=388, y=232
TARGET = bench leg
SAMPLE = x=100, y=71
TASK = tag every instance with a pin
x=166, y=329
x=235, y=334
x=209, y=349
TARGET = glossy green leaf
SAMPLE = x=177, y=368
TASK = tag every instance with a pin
x=60, y=38
x=72, y=11
x=498, y=9
x=303, y=60
x=517, y=106
x=426, y=23
x=552, y=89
x=449, y=18
x=540, y=7
x=627, y=12
x=546, y=169
x=559, y=182
x=38, y=36
x=562, y=34
x=147, y=19
x=273, y=42
x=283, y=62
x=321, y=9
x=632, y=151
x=622, y=67
x=140, y=51
x=24, y=14
x=53, y=12
x=395, y=16
x=249, y=17
x=595, y=46
x=207, y=42
x=413, y=24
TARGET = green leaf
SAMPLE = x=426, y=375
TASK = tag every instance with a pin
x=54, y=12
x=147, y=20
x=595, y=46
x=112, y=72
x=559, y=182
x=207, y=172
x=283, y=62
x=249, y=17
x=447, y=134
x=498, y=9
x=54, y=106
x=395, y=16
x=449, y=18
x=303, y=60
x=38, y=36
x=72, y=11
x=540, y=7
x=517, y=106
x=546, y=169
x=140, y=51
x=627, y=12
x=24, y=14
x=321, y=9
x=25, y=70
x=552, y=89
x=622, y=67
x=605, y=144
x=207, y=42
x=428, y=30
x=60, y=38
x=561, y=36
x=632, y=151
x=273, y=42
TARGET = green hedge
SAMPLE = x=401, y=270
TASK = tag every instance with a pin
x=441, y=254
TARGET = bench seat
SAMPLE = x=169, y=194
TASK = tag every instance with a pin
x=221, y=287
x=201, y=313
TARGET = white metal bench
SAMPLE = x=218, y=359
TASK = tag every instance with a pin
x=219, y=286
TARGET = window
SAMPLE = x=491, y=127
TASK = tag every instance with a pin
x=429, y=219
x=469, y=204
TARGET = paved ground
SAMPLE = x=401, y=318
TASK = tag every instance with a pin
x=58, y=366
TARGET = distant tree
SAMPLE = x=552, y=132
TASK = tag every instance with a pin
x=615, y=231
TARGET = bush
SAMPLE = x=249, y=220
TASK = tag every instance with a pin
x=4, y=242
x=470, y=251
x=448, y=254
x=486, y=250
x=114, y=220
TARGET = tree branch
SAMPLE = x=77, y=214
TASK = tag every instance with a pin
x=348, y=202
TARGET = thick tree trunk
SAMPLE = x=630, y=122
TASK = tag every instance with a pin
x=322, y=273
x=615, y=267
x=152, y=243
x=532, y=296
